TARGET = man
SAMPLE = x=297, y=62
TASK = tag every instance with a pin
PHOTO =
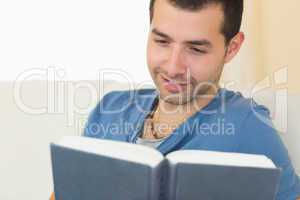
x=189, y=43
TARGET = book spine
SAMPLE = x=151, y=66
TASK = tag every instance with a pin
x=165, y=181
x=170, y=181
x=155, y=185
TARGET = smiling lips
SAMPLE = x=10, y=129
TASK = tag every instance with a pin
x=173, y=86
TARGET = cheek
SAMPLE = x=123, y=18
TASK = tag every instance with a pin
x=204, y=68
x=152, y=56
x=156, y=56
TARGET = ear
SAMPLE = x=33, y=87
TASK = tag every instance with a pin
x=234, y=46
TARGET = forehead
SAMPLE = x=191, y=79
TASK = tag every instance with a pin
x=179, y=22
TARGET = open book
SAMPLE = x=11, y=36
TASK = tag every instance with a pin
x=95, y=169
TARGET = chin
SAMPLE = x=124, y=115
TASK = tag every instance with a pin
x=180, y=98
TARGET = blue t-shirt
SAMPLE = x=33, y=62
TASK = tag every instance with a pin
x=229, y=123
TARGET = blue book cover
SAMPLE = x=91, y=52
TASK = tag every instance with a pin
x=95, y=169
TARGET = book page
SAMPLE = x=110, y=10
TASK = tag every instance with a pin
x=220, y=158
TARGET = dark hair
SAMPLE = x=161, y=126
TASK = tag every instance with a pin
x=233, y=12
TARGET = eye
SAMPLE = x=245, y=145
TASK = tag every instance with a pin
x=161, y=42
x=198, y=51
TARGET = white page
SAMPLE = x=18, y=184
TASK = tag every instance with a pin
x=220, y=158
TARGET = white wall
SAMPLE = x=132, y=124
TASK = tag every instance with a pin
x=83, y=37
x=78, y=36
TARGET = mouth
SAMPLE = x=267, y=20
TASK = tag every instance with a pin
x=172, y=85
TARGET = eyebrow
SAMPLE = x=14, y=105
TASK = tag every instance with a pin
x=202, y=42
x=161, y=34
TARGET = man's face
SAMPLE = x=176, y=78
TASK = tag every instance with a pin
x=186, y=51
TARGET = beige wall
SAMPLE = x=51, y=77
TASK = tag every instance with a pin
x=281, y=39
x=272, y=29
x=245, y=70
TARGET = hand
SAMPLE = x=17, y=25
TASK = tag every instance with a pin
x=52, y=196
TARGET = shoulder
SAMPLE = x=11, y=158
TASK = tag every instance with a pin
x=117, y=108
x=240, y=106
x=256, y=134
x=255, y=130
x=237, y=109
x=252, y=121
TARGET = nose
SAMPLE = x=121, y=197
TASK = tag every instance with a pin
x=175, y=64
